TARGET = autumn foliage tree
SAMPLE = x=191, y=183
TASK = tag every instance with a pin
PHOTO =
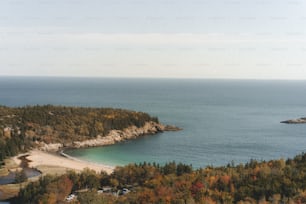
x=256, y=182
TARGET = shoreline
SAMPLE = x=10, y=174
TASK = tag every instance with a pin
x=51, y=159
x=40, y=160
x=51, y=163
x=113, y=137
x=111, y=168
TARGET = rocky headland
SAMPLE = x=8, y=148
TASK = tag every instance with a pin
x=44, y=131
x=52, y=128
x=295, y=121
x=114, y=136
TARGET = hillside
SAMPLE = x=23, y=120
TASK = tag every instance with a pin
x=25, y=127
x=276, y=181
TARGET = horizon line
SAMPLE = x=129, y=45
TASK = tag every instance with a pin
x=148, y=77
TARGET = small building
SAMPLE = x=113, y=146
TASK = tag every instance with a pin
x=71, y=197
x=107, y=189
x=125, y=191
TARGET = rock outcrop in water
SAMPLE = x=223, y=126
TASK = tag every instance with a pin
x=114, y=136
x=295, y=121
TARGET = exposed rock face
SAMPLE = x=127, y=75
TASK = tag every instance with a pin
x=295, y=121
x=49, y=147
x=114, y=136
x=7, y=132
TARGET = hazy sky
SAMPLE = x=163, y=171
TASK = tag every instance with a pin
x=262, y=39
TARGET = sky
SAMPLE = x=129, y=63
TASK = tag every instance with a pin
x=245, y=39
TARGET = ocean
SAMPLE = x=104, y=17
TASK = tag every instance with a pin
x=223, y=121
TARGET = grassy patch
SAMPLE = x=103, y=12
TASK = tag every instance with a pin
x=53, y=170
x=8, y=164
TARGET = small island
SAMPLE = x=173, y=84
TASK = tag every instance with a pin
x=295, y=121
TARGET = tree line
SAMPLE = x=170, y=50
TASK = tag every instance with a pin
x=22, y=127
x=276, y=181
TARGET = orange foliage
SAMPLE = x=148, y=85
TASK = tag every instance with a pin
x=225, y=179
x=64, y=187
x=207, y=200
x=146, y=196
x=164, y=194
x=52, y=198
x=212, y=180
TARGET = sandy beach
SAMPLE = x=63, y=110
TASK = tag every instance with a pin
x=41, y=160
x=53, y=163
x=46, y=163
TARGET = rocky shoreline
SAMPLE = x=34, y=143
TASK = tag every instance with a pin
x=295, y=121
x=113, y=137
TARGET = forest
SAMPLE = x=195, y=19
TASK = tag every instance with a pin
x=276, y=181
x=22, y=127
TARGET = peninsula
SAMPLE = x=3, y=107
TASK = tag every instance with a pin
x=42, y=131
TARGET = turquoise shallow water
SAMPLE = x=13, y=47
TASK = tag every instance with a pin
x=222, y=120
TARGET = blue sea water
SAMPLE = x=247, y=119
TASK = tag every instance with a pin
x=222, y=120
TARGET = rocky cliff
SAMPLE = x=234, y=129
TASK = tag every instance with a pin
x=114, y=136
